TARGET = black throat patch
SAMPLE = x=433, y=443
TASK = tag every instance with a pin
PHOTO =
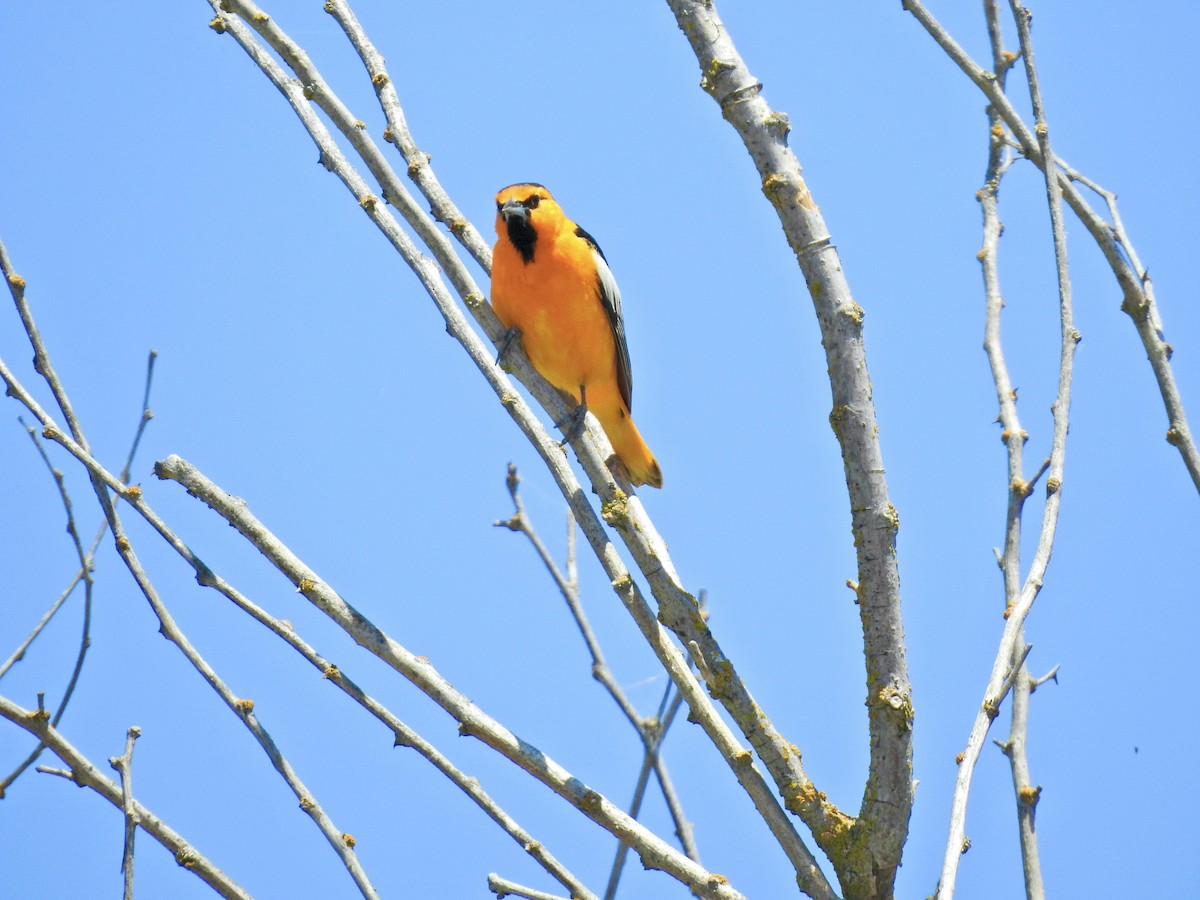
x=522, y=235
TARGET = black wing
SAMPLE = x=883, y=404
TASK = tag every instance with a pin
x=610, y=298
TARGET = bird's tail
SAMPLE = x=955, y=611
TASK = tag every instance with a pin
x=639, y=462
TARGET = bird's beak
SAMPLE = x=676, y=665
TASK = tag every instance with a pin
x=514, y=209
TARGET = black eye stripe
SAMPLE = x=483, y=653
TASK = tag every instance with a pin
x=532, y=202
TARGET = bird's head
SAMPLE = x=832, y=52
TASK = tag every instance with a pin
x=524, y=210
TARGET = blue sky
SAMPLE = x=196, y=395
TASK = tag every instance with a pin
x=158, y=193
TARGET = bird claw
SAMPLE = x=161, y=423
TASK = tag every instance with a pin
x=506, y=344
x=572, y=425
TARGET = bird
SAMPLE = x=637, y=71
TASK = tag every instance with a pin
x=551, y=284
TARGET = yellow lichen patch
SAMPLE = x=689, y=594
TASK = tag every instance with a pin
x=1029, y=794
x=616, y=508
x=713, y=72
x=331, y=671
x=305, y=585
x=892, y=517
x=896, y=700
x=217, y=25
x=369, y=202
x=380, y=80
x=133, y=491
x=245, y=705
x=349, y=840
x=773, y=183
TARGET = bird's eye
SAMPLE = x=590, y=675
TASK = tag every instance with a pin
x=532, y=202
x=499, y=206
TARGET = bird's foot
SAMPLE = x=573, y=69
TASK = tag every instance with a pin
x=506, y=344
x=572, y=425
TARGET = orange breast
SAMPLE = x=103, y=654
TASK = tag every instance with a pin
x=554, y=301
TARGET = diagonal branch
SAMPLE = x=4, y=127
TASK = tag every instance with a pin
x=397, y=133
x=85, y=774
x=652, y=730
x=105, y=484
x=82, y=575
x=655, y=852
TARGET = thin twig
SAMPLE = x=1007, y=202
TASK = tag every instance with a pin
x=143, y=421
x=568, y=586
x=124, y=766
x=1009, y=663
x=502, y=887
x=83, y=574
x=1138, y=291
x=1018, y=734
x=104, y=484
x=651, y=731
x=85, y=774
x=397, y=133
x=653, y=734
x=41, y=360
x=1019, y=489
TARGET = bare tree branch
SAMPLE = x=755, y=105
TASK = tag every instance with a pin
x=865, y=849
x=124, y=766
x=1009, y=663
x=653, y=734
x=397, y=133
x=103, y=482
x=655, y=853
x=651, y=730
x=1133, y=278
x=85, y=774
x=502, y=887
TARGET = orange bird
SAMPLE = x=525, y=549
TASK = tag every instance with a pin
x=551, y=282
